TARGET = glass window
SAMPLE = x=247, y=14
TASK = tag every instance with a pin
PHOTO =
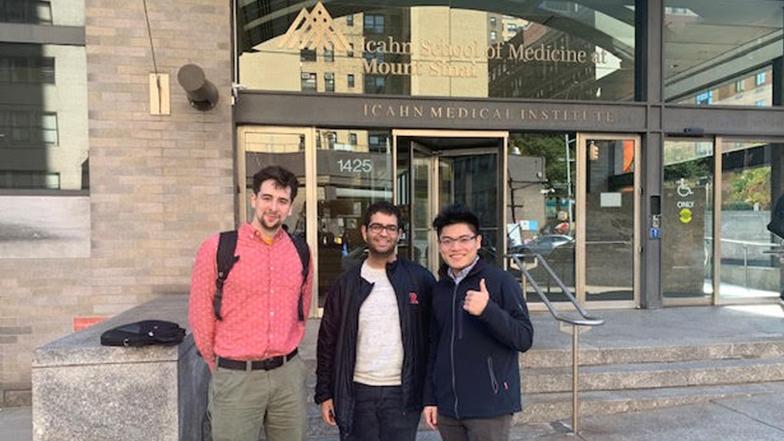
x=751, y=255
x=350, y=20
x=374, y=24
x=329, y=53
x=350, y=80
x=26, y=11
x=33, y=122
x=352, y=138
x=733, y=91
x=704, y=97
x=44, y=162
x=351, y=177
x=715, y=44
x=329, y=82
x=308, y=82
x=541, y=198
x=374, y=84
x=541, y=51
x=27, y=128
x=378, y=142
x=308, y=55
x=687, y=219
x=760, y=79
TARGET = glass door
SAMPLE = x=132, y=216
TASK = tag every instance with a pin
x=608, y=221
x=292, y=148
x=434, y=169
x=687, y=214
x=749, y=254
x=470, y=178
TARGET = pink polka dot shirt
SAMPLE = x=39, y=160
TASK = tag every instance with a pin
x=259, y=306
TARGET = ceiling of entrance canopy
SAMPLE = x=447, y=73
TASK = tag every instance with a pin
x=703, y=34
x=616, y=34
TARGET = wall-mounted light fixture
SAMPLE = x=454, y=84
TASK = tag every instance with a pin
x=202, y=94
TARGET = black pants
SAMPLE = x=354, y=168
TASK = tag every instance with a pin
x=379, y=415
x=475, y=429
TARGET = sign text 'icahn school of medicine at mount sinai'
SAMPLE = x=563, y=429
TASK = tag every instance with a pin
x=444, y=59
x=435, y=58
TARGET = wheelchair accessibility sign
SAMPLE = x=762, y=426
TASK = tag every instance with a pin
x=686, y=203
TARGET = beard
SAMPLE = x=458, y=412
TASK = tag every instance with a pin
x=268, y=226
x=376, y=251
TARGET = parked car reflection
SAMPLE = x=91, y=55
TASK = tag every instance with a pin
x=543, y=245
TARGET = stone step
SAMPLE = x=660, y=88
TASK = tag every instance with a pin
x=562, y=357
x=550, y=407
x=543, y=358
x=655, y=375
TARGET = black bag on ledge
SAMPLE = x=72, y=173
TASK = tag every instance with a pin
x=144, y=333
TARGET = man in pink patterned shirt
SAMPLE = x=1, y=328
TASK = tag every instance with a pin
x=258, y=380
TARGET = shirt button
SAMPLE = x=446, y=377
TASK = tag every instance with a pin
x=272, y=313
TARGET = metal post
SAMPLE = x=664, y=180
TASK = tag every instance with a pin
x=568, y=181
x=575, y=361
x=746, y=264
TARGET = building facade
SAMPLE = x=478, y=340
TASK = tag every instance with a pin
x=635, y=145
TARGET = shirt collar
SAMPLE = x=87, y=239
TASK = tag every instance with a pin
x=250, y=232
x=463, y=272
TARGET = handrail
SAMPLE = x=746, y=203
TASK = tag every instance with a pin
x=586, y=320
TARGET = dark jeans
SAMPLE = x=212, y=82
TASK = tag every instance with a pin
x=475, y=429
x=379, y=415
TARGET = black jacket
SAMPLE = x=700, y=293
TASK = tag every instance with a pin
x=473, y=369
x=337, y=339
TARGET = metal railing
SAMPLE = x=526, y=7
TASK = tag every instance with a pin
x=586, y=320
x=746, y=244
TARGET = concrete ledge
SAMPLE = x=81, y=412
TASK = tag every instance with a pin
x=82, y=390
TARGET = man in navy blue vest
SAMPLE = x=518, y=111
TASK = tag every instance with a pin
x=480, y=325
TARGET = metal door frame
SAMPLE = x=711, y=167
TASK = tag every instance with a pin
x=434, y=170
x=580, y=212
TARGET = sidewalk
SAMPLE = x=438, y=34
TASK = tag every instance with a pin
x=755, y=414
x=755, y=418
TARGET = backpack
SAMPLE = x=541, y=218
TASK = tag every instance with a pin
x=227, y=244
x=144, y=333
x=776, y=225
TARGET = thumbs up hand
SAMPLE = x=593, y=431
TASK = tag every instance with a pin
x=476, y=301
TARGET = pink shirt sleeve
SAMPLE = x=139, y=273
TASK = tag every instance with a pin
x=200, y=310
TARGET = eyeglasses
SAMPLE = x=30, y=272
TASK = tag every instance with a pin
x=447, y=242
x=376, y=228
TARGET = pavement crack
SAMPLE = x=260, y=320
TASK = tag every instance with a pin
x=753, y=418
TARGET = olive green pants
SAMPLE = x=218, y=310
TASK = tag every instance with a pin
x=242, y=402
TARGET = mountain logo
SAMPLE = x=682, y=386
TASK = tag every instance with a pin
x=314, y=30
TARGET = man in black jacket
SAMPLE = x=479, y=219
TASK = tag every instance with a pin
x=373, y=341
x=480, y=324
